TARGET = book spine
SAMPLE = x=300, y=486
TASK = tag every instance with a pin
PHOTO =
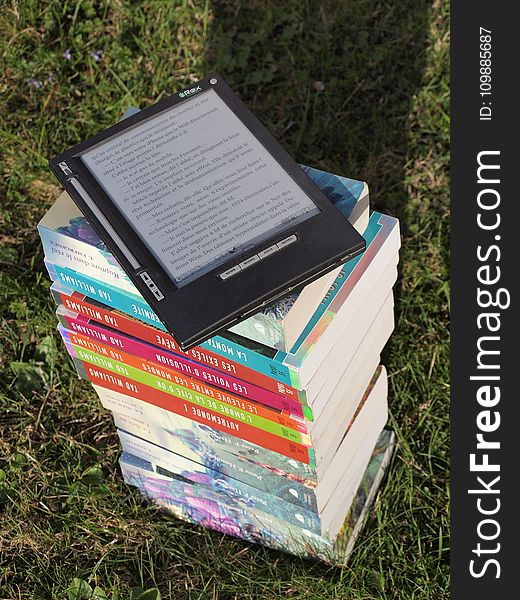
x=135, y=306
x=118, y=353
x=67, y=251
x=176, y=466
x=205, y=416
x=221, y=451
x=178, y=364
x=209, y=458
x=191, y=399
x=197, y=505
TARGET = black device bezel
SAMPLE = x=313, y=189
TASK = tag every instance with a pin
x=200, y=309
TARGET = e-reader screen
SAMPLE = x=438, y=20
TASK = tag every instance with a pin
x=197, y=186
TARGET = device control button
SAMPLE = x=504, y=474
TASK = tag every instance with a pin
x=287, y=241
x=268, y=251
x=249, y=261
x=230, y=272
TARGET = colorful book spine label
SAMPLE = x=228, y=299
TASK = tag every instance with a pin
x=189, y=399
x=162, y=397
x=179, y=467
x=135, y=306
x=118, y=353
x=179, y=364
x=92, y=310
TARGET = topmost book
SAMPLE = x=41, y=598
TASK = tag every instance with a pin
x=207, y=214
x=70, y=241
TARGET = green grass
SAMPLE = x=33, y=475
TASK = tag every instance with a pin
x=381, y=115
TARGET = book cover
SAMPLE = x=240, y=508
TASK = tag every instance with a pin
x=174, y=393
x=327, y=519
x=90, y=318
x=86, y=327
x=208, y=457
x=270, y=409
x=189, y=392
x=181, y=494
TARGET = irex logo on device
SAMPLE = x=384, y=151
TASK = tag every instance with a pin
x=189, y=92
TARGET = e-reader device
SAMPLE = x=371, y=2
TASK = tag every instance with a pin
x=205, y=211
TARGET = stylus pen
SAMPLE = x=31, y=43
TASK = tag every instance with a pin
x=105, y=223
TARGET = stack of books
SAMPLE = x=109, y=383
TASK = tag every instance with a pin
x=272, y=431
